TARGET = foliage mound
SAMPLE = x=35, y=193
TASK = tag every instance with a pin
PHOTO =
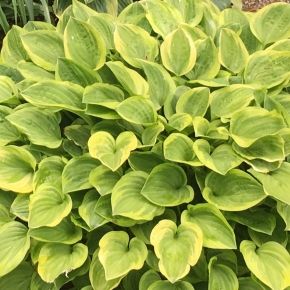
x=146, y=151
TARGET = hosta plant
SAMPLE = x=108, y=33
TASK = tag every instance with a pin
x=148, y=150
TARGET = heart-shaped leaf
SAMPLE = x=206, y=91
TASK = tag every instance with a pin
x=112, y=153
x=166, y=186
x=177, y=248
x=118, y=255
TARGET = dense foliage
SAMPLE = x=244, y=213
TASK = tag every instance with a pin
x=146, y=151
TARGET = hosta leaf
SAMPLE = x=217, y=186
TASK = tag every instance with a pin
x=226, y=101
x=253, y=123
x=177, y=248
x=20, y=207
x=127, y=199
x=257, y=219
x=14, y=245
x=112, y=153
x=267, y=69
x=179, y=148
x=166, y=185
x=247, y=283
x=151, y=133
x=84, y=45
x=12, y=49
x=233, y=54
x=65, y=232
x=97, y=275
x=18, y=279
x=239, y=190
x=103, y=94
x=82, y=11
x=7, y=90
x=147, y=279
x=161, y=85
x=178, y=52
x=55, y=95
x=194, y=102
x=55, y=259
x=217, y=233
x=221, y=160
x=49, y=172
x=270, y=263
x=41, y=127
x=43, y=47
x=162, y=16
x=119, y=255
x=75, y=175
x=137, y=110
x=5, y=215
x=221, y=276
x=284, y=211
x=131, y=81
x=103, y=179
x=268, y=148
x=17, y=167
x=105, y=25
x=48, y=206
x=133, y=43
x=87, y=210
x=276, y=183
x=207, y=63
x=271, y=23
x=68, y=70
x=166, y=285
x=33, y=72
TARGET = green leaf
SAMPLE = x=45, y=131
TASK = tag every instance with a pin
x=137, y=110
x=18, y=279
x=12, y=49
x=162, y=16
x=268, y=148
x=253, y=123
x=103, y=179
x=43, y=47
x=226, y=101
x=130, y=80
x=221, y=276
x=82, y=11
x=41, y=127
x=15, y=244
x=119, y=255
x=134, y=43
x=87, y=210
x=5, y=216
x=179, y=148
x=221, y=159
x=271, y=24
x=65, y=232
x=284, y=211
x=239, y=190
x=177, y=248
x=55, y=259
x=248, y=283
x=178, y=52
x=233, y=54
x=276, y=183
x=127, y=199
x=68, y=70
x=217, y=233
x=166, y=185
x=8, y=89
x=270, y=263
x=48, y=206
x=84, y=45
x=20, y=207
x=267, y=69
x=102, y=94
x=75, y=175
x=147, y=279
x=55, y=95
x=97, y=275
x=33, y=72
x=17, y=167
x=166, y=285
x=194, y=102
x=112, y=153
